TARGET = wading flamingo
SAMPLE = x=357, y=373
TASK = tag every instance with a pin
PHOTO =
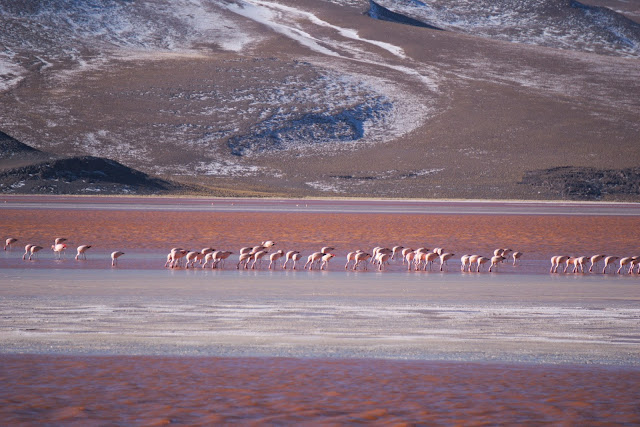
x=405, y=251
x=191, y=258
x=244, y=260
x=596, y=259
x=443, y=259
x=114, y=257
x=624, y=261
x=26, y=250
x=219, y=257
x=82, y=252
x=289, y=257
x=351, y=256
x=609, y=261
x=481, y=261
x=361, y=257
x=59, y=240
x=464, y=262
x=382, y=259
x=396, y=251
x=325, y=261
x=296, y=257
x=58, y=248
x=257, y=258
x=311, y=259
x=409, y=257
x=429, y=258
x=495, y=260
x=9, y=242
x=516, y=257
x=274, y=257
x=34, y=249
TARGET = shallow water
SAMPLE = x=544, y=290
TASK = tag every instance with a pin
x=84, y=342
x=128, y=390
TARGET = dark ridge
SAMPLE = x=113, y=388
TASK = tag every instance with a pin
x=80, y=175
x=383, y=14
x=585, y=183
x=10, y=147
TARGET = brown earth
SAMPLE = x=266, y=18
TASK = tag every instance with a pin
x=498, y=117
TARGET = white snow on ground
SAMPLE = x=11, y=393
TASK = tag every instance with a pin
x=10, y=73
x=552, y=23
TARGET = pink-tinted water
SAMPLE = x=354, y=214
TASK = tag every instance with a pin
x=205, y=391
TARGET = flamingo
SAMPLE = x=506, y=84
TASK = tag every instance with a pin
x=396, y=250
x=33, y=250
x=481, y=261
x=191, y=258
x=325, y=260
x=382, y=259
x=634, y=261
x=289, y=257
x=556, y=261
x=568, y=262
x=257, y=257
x=220, y=257
x=82, y=251
x=516, y=256
x=596, y=259
x=244, y=259
x=174, y=257
x=274, y=257
x=9, y=242
x=405, y=251
x=579, y=264
x=495, y=260
x=409, y=257
x=327, y=250
x=464, y=261
x=26, y=250
x=58, y=248
x=114, y=257
x=311, y=259
x=429, y=258
x=361, y=257
x=624, y=261
x=208, y=257
x=443, y=258
x=296, y=257
x=351, y=256
x=268, y=243
x=59, y=240
x=607, y=261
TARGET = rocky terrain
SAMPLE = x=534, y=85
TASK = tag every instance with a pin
x=25, y=170
x=417, y=99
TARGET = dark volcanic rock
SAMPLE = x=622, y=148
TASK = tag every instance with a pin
x=583, y=183
x=24, y=169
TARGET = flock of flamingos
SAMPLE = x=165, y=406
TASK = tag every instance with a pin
x=380, y=257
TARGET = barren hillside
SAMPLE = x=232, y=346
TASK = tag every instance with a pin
x=335, y=97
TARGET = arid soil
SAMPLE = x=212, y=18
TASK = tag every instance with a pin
x=317, y=98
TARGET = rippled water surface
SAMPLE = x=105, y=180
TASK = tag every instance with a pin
x=84, y=342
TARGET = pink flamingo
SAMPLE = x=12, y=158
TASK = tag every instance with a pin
x=311, y=259
x=59, y=240
x=325, y=260
x=351, y=256
x=596, y=259
x=244, y=260
x=405, y=251
x=464, y=261
x=114, y=257
x=289, y=257
x=609, y=261
x=82, y=251
x=296, y=257
x=382, y=259
x=624, y=261
x=495, y=260
x=481, y=261
x=274, y=257
x=257, y=257
x=26, y=251
x=191, y=258
x=58, y=248
x=33, y=250
x=516, y=256
x=409, y=257
x=396, y=250
x=361, y=257
x=9, y=242
x=220, y=257
x=443, y=259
